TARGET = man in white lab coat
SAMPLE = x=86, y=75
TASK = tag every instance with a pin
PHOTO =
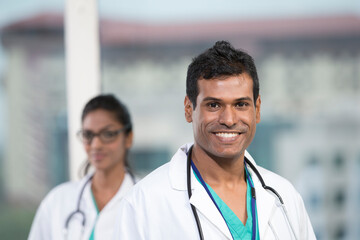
x=213, y=189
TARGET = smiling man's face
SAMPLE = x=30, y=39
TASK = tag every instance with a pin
x=225, y=118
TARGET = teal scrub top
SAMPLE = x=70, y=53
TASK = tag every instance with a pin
x=237, y=229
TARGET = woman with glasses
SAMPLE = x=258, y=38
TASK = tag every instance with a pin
x=87, y=209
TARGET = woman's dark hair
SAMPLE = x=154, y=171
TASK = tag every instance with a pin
x=109, y=103
x=221, y=60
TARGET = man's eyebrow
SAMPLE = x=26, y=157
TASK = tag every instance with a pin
x=243, y=99
x=211, y=99
x=219, y=100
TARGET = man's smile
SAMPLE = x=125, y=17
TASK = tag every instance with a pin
x=226, y=134
x=228, y=137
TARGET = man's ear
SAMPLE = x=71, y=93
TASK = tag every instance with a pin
x=257, y=109
x=188, y=109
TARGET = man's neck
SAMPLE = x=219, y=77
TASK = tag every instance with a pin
x=218, y=171
x=226, y=177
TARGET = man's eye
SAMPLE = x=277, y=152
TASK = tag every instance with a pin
x=242, y=104
x=214, y=105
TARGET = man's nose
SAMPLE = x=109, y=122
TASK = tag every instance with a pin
x=228, y=116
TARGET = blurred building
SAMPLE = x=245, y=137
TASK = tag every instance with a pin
x=310, y=87
x=36, y=146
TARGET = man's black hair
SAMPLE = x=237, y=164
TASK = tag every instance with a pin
x=220, y=61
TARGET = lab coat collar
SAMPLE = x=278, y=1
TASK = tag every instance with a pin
x=177, y=168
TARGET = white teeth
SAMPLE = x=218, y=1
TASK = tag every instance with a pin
x=226, y=135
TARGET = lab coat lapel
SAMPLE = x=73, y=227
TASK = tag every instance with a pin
x=200, y=199
x=178, y=169
x=264, y=201
x=203, y=203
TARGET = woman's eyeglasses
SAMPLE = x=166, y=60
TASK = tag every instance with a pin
x=105, y=136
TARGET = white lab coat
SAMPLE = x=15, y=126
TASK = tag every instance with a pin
x=50, y=218
x=158, y=207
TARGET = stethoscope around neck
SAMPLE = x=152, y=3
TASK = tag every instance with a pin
x=78, y=211
x=251, y=165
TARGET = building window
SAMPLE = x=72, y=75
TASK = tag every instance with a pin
x=143, y=161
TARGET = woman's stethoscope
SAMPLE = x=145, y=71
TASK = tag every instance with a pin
x=258, y=176
x=79, y=211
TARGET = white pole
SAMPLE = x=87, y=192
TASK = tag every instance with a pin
x=82, y=70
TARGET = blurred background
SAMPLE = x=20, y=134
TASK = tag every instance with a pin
x=308, y=59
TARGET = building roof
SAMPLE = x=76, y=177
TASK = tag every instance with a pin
x=115, y=32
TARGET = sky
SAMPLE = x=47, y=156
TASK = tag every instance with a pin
x=190, y=10
x=185, y=10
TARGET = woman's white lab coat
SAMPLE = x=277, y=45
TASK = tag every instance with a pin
x=50, y=218
x=158, y=207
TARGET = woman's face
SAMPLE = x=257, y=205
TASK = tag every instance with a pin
x=108, y=154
